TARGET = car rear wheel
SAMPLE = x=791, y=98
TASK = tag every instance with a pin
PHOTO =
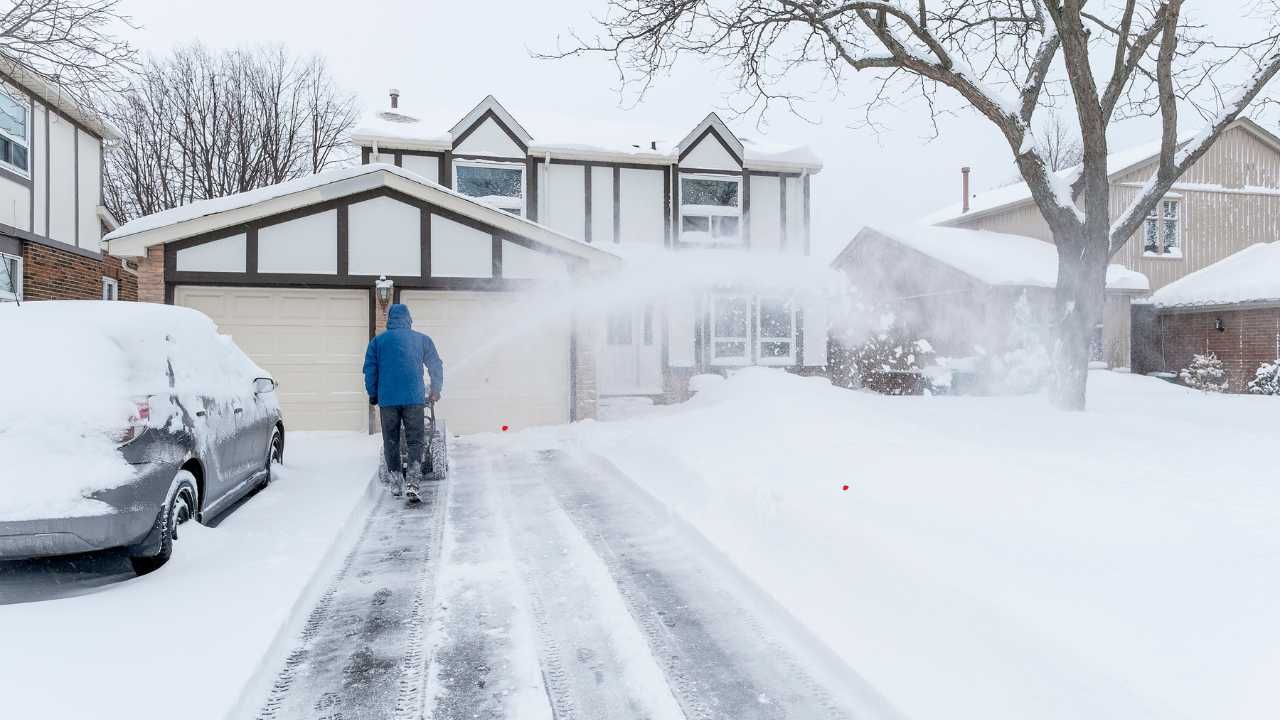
x=275, y=454
x=183, y=502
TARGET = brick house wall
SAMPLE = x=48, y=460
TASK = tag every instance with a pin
x=52, y=274
x=151, y=275
x=1249, y=338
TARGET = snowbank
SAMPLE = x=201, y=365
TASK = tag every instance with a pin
x=121, y=653
x=1251, y=275
x=991, y=557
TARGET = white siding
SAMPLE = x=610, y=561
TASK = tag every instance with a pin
x=795, y=216
x=15, y=204
x=567, y=200
x=305, y=245
x=39, y=171
x=766, y=213
x=90, y=196
x=641, y=207
x=520, y=262
x=225, y=255
x=489, y=139
x=459, y=251
x=428, y=166
x=681, y=316
x=62, y=180
x=709, y=154
x=384, y=238
x=815, y=330
x=602, y=205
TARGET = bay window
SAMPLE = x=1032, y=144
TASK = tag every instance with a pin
x=730, y=330
x=15, y=131
x=498, y=184
x=776, y=332
x=10, y=278
x=1161, y=231
x=711, y=209
x=748, y=330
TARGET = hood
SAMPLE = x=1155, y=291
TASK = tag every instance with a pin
x=398, y=317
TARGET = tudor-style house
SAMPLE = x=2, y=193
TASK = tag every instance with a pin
x=705, y=189
x=52, y=216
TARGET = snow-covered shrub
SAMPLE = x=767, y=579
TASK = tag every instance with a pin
x=1266, y=380
x=892, y=362
x=1205, y=374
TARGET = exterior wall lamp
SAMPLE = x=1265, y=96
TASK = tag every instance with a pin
x=383, y=288
x=1219, y=325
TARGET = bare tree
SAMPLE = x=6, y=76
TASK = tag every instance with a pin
x=1060, y=142
x=1005, y=59
x=199, y=124
x=69, y=43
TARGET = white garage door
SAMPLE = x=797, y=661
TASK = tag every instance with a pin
x=311, y=341
x=504, y=365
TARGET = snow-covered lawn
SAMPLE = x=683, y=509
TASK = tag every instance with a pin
x=187, y=639
x=992, y=557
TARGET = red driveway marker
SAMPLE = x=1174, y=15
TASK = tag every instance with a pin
x=846, y=487
x=504, y=428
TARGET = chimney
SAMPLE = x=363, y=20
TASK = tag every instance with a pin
x=653, y=144
x=395, y=98
x=964, y=172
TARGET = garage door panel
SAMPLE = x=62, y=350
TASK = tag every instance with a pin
x=311, y=341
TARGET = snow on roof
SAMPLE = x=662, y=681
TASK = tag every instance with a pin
x=569, y=137
x=59, y=98
x=997, y=258
x=1251, y=275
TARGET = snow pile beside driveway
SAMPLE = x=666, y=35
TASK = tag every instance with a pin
x=992, y=557
x=194, y=634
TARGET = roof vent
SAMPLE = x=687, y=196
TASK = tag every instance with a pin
x=653, y=144
x=395, y=98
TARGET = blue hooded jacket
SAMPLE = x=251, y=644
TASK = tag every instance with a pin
x=393, y=363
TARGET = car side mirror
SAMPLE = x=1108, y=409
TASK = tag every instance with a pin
x=262, y=386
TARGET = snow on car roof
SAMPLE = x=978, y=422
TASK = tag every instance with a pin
x=998, y=258
x=1251, y=275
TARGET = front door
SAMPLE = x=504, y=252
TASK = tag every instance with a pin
x=632, y=358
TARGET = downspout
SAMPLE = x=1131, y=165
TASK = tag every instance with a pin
x=544, y=189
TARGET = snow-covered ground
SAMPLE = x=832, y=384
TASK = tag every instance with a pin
x=992, y=557
x=187, y=639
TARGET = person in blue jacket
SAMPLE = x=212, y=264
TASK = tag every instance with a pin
x=393, y=378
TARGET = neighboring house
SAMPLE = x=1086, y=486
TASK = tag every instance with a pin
x=960, y=289
x=706, y=190
x=1231, y=308
x=51, y=212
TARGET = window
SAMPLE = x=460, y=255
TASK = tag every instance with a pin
x=15, y=131
x=498, y=184
x=730, y=329
x=1160, y=232
x=710, y=209
x=10, y=278
x=110, y=289
x=776, y=332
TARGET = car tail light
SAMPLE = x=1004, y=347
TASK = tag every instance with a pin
x=137, y=424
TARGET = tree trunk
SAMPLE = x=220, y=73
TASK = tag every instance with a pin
x=1082, y=278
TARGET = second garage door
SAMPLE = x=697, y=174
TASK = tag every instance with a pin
x=501, y=367
x=311, y=341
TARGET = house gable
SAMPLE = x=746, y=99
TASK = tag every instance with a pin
x=711, y=146
x=485, y=117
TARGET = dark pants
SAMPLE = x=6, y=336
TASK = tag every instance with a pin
x=411, y=418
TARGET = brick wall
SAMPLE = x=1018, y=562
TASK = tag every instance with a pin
x=585, y=391
x=52, y=274
x=151, y=275
x=1249, y=338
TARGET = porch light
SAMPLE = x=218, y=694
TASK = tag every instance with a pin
x=383, y=288
x=1219, y=325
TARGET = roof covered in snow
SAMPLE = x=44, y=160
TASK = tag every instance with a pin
x=569, y=137
x=1249, y=276
x=132, y=238
x=995, y=258
x=1118, y=162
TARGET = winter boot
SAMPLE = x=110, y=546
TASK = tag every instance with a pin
x=384, y=475
x=414, y=480
x=397, y=483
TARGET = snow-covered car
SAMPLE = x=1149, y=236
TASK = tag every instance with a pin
x=119, y=422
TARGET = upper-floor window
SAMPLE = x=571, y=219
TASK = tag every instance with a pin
x=10, y=278
x=498, y=184
x=711, y=209
x=1161, y=233
x=15, y=131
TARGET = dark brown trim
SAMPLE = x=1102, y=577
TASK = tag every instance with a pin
x=10, y=246
x=604, y=163
x=344, y=239
x=586, y=206
x=531, y=189
x=31, y=161
x=75, y=159
x=782, y=213
x=808, y=217
x=798, y=336
x=500, y=159
x=365, y=153
x=424, y=242
x=48, y=142
x=420, y=153
x=250, y=252
x=744, y=202
x=709, y=171
x=490, y=114
x=397, y=157
x=373, y=312
x=169, y=291
x=710, y=130
x=773, y=173
x=28, y=236
x=617, y=204
x=670, y=201
x=496, y=256
x=446, y=169
x=16, y=177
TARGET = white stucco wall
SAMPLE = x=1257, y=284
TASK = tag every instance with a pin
x=795, y=216
x=519, y=262
x=641, y=207
x=15, y=204
x=709, y=154
x=62, y=180
x=602, y=205
x=303, y=245
x=815, y=322
x=39, y=171
x=90, y=195
x=766, y=214
x=567, y=200
x=225, y=255
x=384, y=238
x=459, y=251
x=681, y=314
x=425, y=165
x=489, y=139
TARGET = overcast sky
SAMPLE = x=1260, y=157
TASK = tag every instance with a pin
x=446, y=56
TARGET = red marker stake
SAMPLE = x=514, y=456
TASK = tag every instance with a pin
x=504, y=428
x=846, y=487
